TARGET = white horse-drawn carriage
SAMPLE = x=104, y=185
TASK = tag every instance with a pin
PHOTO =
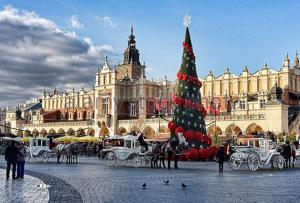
x=131, y=153
x=37, y=148
x=258, y=153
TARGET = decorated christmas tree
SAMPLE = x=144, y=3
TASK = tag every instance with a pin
x=188, y=117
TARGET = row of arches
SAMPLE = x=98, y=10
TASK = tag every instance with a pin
x=230, y=130
x=234, y=130
x=148, y=131
x=43, y=132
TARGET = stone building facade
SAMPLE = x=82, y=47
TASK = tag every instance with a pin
x=123, y=99
x=267, y=100
x=120, y=93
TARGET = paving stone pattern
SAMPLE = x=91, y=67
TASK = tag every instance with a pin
x=22, y=190
x=98, y=183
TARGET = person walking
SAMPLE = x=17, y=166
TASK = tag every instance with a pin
x=294, y=157
x=220, y=157
x=11, y=154
x=21, y=161
x=287, y=153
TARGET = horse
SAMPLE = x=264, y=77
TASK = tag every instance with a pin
x=165, y=150
x=71, y=151
x=158, y=155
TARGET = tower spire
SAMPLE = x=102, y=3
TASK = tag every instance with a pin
x=286, y=63
x=296, y=61
x=131, y=54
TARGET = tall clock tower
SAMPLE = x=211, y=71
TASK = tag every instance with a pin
x=131, y=67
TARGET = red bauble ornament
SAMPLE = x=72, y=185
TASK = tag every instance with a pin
x=196, y=106
x=172, y=126
x=179, y=130
x=189, y=104
x=188, y=135
x=192, y=154
x=184, y=77
x=176, y=100
x=199, y=83
x=203, y=110
x=198, y=136
x=181, y=102
x=201, y=154
x=207, y=139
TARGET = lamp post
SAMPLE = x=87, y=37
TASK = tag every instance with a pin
x=233, y=130
x=159, y=109
x=215, y=104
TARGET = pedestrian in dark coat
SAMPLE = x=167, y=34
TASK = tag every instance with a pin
x=21, y=161
x=287, y=153
x=220, y=157
x=11, y=155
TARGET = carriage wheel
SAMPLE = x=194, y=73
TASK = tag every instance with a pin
x=40, y=156
x=27, y=154
x=110, y=159
x=122, y=162
x=235, y=162
x=147, y=161
x=45, y=157
x=253, y=161
x=137, y=161
x=279, y=161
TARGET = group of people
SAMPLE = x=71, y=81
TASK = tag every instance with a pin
x=289, y=154
x=15, y=159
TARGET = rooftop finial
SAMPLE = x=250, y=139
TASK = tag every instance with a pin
x=131, y=29
x=265, y=65
x=296, y=60
x=227, y=70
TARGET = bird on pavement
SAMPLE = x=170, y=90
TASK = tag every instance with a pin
x=166, y=182
x=144, y=186
x=183, y=185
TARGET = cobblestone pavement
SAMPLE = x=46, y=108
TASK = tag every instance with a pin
x=98, y=183
x=22, y=190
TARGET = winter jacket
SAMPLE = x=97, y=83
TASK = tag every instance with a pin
x=11, y=154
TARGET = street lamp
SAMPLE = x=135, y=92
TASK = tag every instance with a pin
x=159, y=109
x=215, y=105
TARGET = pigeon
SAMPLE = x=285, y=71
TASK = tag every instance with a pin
x=166, y=182
x=183, y=185
x=144, y=186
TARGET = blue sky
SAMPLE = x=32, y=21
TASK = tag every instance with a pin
x=231, y=34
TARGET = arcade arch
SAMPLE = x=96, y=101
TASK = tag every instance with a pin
x=148, y=131
x=233, y=130
x=212, y=130
x=253, y=129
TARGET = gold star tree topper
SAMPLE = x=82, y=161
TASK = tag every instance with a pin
x=186, y=20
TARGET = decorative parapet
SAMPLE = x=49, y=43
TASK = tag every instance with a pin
x=59, y=124
x=148, y=120
x=236, y=117
x=227, y=117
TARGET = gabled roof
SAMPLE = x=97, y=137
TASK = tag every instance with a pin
x=259, y=72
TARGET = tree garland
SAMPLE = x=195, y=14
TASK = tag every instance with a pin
x=189, y=49
x=191, y=79
x=190, y=104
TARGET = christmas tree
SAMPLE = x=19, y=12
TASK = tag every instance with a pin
x=188, y=117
